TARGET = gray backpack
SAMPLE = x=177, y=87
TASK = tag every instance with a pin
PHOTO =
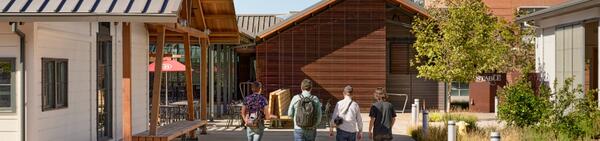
x=306, y=113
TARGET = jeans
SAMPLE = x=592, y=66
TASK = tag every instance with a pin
x=342, y=135
x=305, y=135
x=255, y=134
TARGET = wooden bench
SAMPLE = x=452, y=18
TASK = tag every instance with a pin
x=170, y=131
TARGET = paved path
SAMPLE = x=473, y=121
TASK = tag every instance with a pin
x=218, y=132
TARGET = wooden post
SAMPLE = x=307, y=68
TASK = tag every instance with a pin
x=160, y=43
x=126, y=82
x=204, y=81
x=188, y=80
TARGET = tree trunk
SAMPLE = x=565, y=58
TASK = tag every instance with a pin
x=448, y=92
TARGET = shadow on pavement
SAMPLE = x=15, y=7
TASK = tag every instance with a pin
x=278, y=135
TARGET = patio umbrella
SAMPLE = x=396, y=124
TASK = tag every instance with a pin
x=169, y=65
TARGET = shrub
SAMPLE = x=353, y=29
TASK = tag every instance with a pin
x=572, y=117
x=470, y=119
x=443, y=117
x=436, y=117
x=520, y=106
x=435, y=133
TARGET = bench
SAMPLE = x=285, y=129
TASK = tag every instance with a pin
x=169, y=131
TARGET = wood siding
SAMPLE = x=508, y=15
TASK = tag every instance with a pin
x=343, y=45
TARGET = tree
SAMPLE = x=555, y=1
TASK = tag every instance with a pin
x=458, y=42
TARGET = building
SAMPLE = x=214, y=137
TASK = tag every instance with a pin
x=337, y=43
x=567, y=42
x=346, y=42
x=78, y=70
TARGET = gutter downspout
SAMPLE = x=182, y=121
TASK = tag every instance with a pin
x=21, y=35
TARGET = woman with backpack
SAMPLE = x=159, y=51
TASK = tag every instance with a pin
x=346, y=118
x=254, y=112
x=382, y=117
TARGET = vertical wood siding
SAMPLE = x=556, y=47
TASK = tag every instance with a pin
x=343, y=45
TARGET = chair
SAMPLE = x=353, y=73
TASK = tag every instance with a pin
x=245, y=88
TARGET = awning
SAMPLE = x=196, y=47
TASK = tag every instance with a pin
x=89, y=10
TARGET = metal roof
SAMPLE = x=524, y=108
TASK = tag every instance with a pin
x=252, y=24
x=90, y=10
x=566, y=7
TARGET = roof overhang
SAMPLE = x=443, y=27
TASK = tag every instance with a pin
x=88, y=17
x=218, y=16
x=564, y=8
x=89, y=11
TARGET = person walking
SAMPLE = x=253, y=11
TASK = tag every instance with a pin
x=382, y=116
x=346, y=118
x=306, y=110
x=254, y=112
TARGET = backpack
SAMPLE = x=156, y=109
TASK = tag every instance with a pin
x=306, y=114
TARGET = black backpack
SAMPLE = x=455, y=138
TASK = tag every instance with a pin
x=306, y=112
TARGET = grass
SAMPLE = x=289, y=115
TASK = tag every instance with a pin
x=435, y=133
x=443, y=117
x=439, y=133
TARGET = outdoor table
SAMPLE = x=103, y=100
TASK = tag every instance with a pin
x=183, y=107
x=236, y=109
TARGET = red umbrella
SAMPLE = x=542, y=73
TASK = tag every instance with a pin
x=169, y=65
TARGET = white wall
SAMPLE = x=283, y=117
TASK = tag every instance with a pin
x=77, y=43
x=545, y=55
x=10, y=122
x=139, y=69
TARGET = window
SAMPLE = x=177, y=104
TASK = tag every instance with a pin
x=522, y=11
x=460, y=89
x=54, y=83
x=7, y=81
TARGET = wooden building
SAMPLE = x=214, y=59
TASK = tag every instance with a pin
x=363, y=43
x=78, y=70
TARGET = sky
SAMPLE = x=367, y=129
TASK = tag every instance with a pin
x=271, y=6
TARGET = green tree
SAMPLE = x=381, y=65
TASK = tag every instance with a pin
x=458, y=42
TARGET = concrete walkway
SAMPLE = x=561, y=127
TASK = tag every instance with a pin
x=218, y=132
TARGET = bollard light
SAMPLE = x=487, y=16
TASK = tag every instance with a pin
x=418, y=108
x=495, y=136
x=496, y=106
x=451, y=131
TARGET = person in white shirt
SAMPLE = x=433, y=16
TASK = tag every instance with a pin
x=346, y=118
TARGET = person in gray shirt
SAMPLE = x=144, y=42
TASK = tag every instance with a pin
x=382, y=116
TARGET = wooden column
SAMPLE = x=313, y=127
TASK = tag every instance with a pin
x=188, y=80
x=204, y=81
x=160, y=44
x=126, y=82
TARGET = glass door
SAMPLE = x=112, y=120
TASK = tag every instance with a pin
x=104, y=82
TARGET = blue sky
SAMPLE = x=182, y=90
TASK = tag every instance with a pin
x=271, y=6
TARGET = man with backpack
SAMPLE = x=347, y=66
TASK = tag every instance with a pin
x=254, y=112
x=346, y=118
x=306, y=111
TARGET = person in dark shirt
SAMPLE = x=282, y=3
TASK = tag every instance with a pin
x=382, y=116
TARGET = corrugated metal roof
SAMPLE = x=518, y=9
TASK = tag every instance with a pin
x=254, y=24
x=85, y=10
x=565, y=7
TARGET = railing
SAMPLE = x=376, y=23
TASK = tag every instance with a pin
x=405, y=99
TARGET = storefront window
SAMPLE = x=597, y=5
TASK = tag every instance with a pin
x=6, y=85
x=460, y=89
